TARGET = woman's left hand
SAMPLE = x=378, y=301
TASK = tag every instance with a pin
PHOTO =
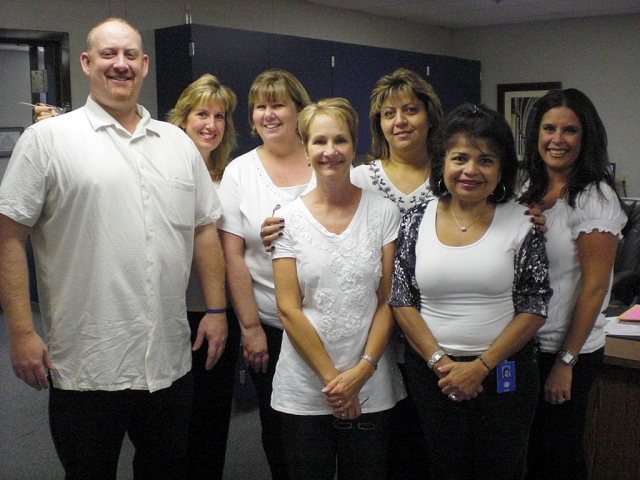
x=462, y=380
x=557, y=388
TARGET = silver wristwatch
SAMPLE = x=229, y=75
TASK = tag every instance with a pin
x=434, y=358
x=566, y=357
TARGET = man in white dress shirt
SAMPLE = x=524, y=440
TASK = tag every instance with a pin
x=117, y=205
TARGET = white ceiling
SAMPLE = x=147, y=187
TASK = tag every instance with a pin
x=475, y=13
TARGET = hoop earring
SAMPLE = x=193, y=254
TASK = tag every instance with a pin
x=446, y=192
x=504, y=193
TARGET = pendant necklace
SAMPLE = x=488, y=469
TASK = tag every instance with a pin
x=462, y=229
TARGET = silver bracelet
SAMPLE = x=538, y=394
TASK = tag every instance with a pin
x=371, y=361
x=434, y=358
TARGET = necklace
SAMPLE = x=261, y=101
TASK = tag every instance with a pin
x=462, y=229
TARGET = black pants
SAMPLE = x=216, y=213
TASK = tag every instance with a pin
x=269, y=418
x=88, y=428
x=556, y=444
x=485, y=437
x=212, y=402
x=408, y=458
x=316, y=444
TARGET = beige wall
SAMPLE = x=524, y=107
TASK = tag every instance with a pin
x=289, y=17
x=596, y=55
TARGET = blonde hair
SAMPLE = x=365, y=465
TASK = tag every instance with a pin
x=205, y=89
x=336, y=108
x=273, y=85
x=412, y=84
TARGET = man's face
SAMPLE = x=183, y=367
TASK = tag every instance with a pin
x=115, y=65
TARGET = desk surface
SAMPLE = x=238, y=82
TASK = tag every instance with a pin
x=622, y=352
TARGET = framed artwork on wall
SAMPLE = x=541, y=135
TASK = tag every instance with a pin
x=516, y=101
x=8, y=138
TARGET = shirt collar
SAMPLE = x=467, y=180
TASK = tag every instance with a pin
x=99, y=118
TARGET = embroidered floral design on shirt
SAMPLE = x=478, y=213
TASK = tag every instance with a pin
x=356, y=269
x=404, y=202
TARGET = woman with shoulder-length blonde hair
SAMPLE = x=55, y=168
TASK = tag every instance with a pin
x=335, y=384
x=204, y=111
x=204, y=91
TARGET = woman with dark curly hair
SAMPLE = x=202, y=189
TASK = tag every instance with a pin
x=470, y=289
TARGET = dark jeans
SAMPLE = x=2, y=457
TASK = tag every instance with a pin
x=556, y=445
x=269, y=418
x=88, y=428
x=314, y=443
x=212, y=402
x=485, y=437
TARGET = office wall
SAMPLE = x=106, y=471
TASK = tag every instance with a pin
x=290, y=17
x=596, y=55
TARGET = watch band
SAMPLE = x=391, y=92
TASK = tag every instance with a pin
x=434, y=358
x=566, y=357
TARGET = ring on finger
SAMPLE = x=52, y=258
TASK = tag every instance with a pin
x=453, y=397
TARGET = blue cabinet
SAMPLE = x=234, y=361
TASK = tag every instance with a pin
x=324, y=67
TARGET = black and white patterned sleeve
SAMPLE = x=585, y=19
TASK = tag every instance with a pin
x=531, y=287
x=404, y=287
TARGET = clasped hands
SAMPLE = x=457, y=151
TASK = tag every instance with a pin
x=342, y=394
x=460, y=381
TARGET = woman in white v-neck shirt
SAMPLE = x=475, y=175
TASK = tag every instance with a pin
x=334, y=384
x=405, y=115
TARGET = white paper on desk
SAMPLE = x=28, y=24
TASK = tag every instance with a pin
x=622, y=329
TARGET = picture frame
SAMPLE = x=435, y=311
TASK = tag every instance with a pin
x=516, y=102
x=8, y=138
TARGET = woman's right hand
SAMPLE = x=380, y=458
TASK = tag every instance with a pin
x=254, y=349
x=42, y=111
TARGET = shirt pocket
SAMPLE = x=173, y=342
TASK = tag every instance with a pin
x=181, y=202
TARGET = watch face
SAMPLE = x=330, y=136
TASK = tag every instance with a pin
x=568, y=358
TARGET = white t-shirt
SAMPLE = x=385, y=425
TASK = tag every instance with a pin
x=373, y=178
x=249, y=196
x=592, y=211
x=467, y=308
x=339, y=277
x=113, y=217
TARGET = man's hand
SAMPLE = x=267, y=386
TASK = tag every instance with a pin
x=213, y=327
x=30, y=359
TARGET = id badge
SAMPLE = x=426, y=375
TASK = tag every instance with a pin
x=506, y=376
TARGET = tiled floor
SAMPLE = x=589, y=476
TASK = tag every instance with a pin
x=27, y=452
